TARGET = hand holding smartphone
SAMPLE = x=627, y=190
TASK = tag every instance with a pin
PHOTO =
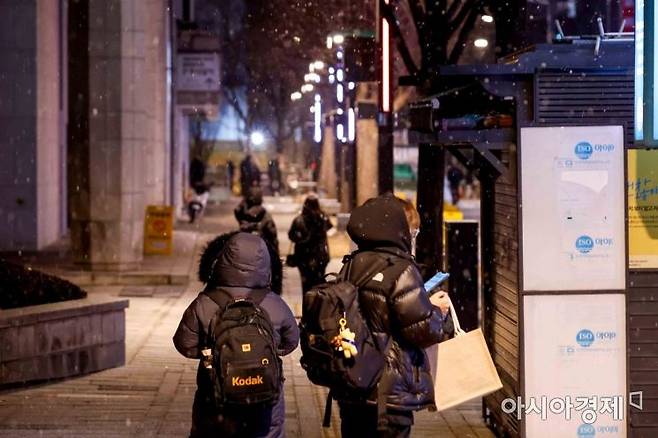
x=438, y=297
x=432, y=285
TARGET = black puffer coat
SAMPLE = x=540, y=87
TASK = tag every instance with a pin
x=395, y=302
x=242, y=266
x=309, y=233
x=254, y=218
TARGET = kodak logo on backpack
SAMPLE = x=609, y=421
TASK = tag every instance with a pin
x=248, y=381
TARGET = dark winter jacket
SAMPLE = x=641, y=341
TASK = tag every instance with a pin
x=254, y=218
x=243, y=266
x=309, y=234
x=395, y=302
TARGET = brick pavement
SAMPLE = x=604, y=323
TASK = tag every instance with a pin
x=152, y=395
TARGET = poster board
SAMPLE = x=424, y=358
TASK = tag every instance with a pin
x=158, y=230
x=573, y=208
x=575, y=347
x=643, y=209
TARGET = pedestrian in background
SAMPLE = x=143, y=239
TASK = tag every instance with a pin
x=249, y=175
x=237, y=267
x=309, y=234
x=274, y=172
x=230, y=174
x=252, y=217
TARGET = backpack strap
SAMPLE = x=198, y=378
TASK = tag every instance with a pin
x=382, y=421
x=326, y=421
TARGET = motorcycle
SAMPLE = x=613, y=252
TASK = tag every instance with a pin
x=197, y=203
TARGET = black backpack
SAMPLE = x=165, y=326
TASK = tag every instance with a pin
x=245, y=368
x=326, y=309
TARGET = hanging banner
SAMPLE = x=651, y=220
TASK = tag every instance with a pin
x=573, y=208
x=643, y=209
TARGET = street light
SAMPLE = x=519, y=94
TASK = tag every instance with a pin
x=312, y=77
x=481, y=43
x=319, y=65
x=307, y=88
x=257, y=138
x=295, y=96
x=339, y=39
x=487, y=18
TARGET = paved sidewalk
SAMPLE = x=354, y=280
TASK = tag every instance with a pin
x=152, y=395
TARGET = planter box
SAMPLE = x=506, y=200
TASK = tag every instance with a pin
x=69, y=338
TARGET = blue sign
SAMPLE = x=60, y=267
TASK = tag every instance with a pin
x=585, y=338
x=584, y=244
x=583, y=150
x=586, y=431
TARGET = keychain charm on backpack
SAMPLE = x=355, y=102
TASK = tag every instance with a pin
x=345, y=340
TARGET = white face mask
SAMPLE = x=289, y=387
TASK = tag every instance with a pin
x=414, y=234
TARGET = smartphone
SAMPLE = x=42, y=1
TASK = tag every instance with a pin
x=433, y=283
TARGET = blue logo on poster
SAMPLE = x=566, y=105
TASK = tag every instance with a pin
x=586, y=431
x=585, y=338
x=583, y=150
x=584, y=244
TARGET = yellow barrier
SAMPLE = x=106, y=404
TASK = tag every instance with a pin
x=158, y=230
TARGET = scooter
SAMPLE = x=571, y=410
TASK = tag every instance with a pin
x=197, y=203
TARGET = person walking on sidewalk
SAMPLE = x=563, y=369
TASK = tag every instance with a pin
x=394, y=302
x=249, y=175
x=236, y=270
x=309, y=234
x=252, y=217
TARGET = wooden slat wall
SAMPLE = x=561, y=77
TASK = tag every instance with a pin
x=502, y=317
x=582, y=97
x=643, y=348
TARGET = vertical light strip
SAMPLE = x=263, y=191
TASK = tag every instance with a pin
x=386, y=62
x=351, y=125
x=639, y=70
x=340, y=131
x=317, y=132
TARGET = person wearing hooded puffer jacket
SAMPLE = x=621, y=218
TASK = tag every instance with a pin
x=254, y=218
x=397, y=307
x=309, y=234
x=238, y=263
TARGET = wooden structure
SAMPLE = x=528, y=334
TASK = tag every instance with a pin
x=583, y=81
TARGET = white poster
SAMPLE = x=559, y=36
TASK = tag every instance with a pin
x=572, y=204
x=197, y=72
x=575, y=366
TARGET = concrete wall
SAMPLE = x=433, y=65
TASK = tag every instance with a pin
x=367, y=168
x=50, y=162
x=126, y=157
x=328, y=183
x=64, y=339
x=158, y=143
x=30, y=126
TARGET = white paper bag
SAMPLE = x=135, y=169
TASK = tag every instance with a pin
x=462, y=368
